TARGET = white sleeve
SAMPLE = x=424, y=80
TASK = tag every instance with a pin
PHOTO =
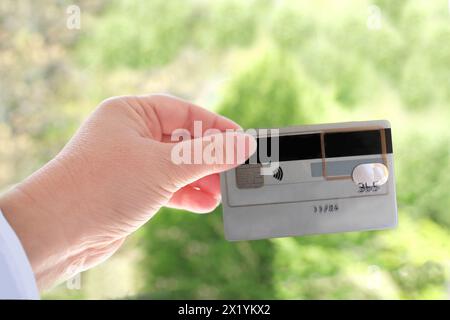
x=16, y=276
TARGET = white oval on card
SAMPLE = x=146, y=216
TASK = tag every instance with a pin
x=370, y=173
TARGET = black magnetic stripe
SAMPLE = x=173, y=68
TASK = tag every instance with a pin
x=356, y=143
x=337, y=144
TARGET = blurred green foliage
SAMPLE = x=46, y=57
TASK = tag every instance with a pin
x=139, y=34
x=264, y=64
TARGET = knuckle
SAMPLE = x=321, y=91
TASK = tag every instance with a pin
x=112, y=103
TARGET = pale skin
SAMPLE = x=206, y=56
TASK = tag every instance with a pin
x=109, y=180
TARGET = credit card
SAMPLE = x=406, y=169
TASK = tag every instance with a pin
x=312, y=179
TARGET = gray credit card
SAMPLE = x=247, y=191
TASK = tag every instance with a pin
x=320, y=179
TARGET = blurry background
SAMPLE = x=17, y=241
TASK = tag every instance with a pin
x=262, y=63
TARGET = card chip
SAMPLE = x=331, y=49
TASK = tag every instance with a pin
x=249, y=176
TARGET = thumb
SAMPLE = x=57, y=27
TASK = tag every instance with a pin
x=193, y=159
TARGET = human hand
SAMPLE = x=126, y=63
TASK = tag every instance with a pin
x=110, y=179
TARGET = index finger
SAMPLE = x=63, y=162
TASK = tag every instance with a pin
x=174, y=113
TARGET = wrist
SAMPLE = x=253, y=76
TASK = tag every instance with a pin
x=35, y=212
